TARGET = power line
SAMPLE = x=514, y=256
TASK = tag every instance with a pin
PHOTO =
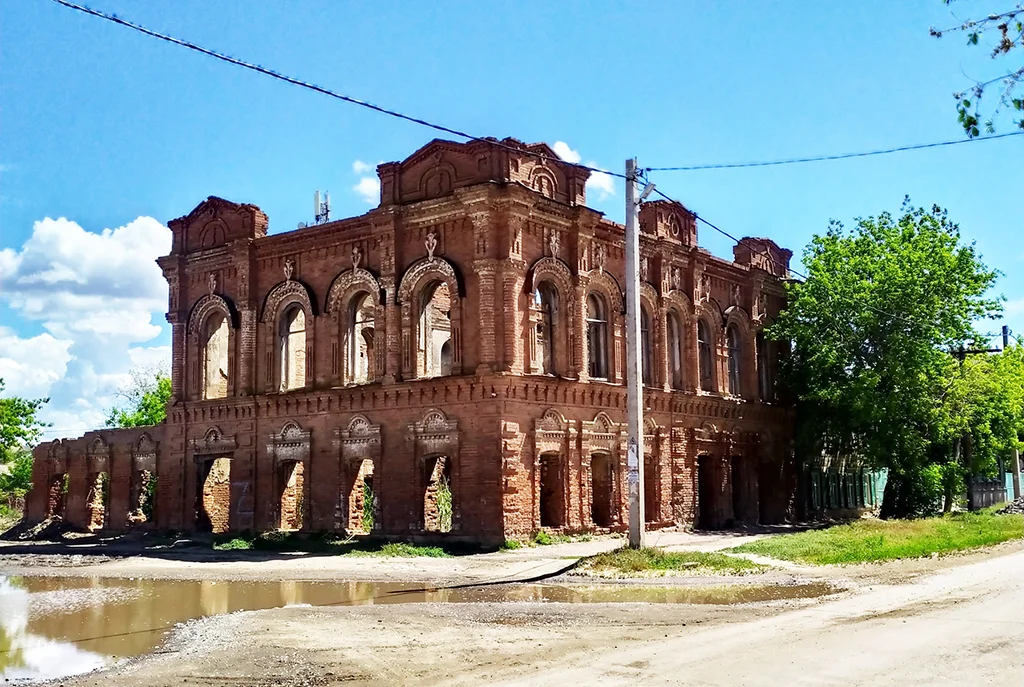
x=790, y=270
x=320, y=89
x=462, y=134
x=822, y=158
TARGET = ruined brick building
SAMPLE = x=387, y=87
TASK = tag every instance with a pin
x=450, y=362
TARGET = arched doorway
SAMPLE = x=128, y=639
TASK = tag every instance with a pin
x=361, y=497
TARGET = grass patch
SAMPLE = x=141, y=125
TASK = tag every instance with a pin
x=543, y=538
x=652, y=561
x=883, y=540
x=235, y=544
x=9, y=517
x=402, y=550
x=511, y=545
x=326, y=544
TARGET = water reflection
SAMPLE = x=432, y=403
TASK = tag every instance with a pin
x=58, y=626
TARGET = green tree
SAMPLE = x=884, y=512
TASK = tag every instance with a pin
x=868, y=328
x=1002, y=32
x=981, y=416
x=145, y=400
x=20, y=428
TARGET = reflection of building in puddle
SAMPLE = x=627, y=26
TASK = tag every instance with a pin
x=25, y=655
x=213, y=597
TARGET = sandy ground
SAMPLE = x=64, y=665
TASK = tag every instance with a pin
x=938, y=621
x=960, y=625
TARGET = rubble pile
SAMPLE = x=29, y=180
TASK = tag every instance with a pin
x=1016, y=507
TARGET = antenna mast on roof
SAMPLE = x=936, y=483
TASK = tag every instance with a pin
x=321, y=211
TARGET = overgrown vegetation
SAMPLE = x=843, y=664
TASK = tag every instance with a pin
x=144, y=400
x=875, y=329
x=544, y=538
x=444, y=505
x=20, y=429
x=881, y=540
x=368, y=505
x=626, y=562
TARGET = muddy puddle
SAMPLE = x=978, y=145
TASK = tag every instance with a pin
x=58, y=626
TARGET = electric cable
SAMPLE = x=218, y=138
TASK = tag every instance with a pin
x=823, y=158
x=322, y=90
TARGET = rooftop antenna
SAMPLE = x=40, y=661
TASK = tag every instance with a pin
x=321, y=211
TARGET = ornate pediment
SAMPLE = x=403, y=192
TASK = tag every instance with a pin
x=214, y=442
x=214, y=223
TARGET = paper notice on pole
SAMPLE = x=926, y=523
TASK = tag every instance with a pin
x=632, y=463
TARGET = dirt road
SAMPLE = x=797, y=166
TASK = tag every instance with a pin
x=959, y=625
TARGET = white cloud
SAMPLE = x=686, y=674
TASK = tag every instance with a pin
x=600, y=184
x=368, y=189
x=96, y=295
x=30, y=366
x=563, y=151
x=360, y=167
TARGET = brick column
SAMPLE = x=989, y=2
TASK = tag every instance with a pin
x=580, y=354
x=514, y=278
x=487, y=336
x=246, y=351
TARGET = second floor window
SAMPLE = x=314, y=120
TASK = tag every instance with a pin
x=597, y=336
x=675, y=350
x=705, y=359
x=544, y=299
x=646, y=353
x=732, y=336
x=215, y=356
x=292, y=347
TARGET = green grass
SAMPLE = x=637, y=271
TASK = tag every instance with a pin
x=9, y=517
x=327, y=544
x=882, y=540
x=654, y=561
x=236, y=544
x=511, y=545
x=402, y=550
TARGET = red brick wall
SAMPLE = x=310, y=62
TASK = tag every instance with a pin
x=443, y=218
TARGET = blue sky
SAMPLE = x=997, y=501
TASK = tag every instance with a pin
x=119, y=133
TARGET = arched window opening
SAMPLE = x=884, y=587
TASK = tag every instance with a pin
x=597, y=336
x=293, y=348
x=646, y=354
x=675, y=350
x=704, y=357
x=545, y=299
x=732, y=336
x=360, y=339
x=435, y=331
x=215, y=356
x=765, y=385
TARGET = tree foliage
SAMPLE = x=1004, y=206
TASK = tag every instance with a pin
x=20, y=428
x=870, y=328
x=1003, y=33
x=145, y=400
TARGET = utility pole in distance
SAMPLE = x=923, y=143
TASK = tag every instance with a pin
x=634, y=364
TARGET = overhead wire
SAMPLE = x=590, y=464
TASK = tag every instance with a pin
x=463, y=134
x=322, y=90
x=823, y=158
x=491, y=141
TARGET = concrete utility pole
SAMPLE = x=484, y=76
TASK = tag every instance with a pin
x=634, y=364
